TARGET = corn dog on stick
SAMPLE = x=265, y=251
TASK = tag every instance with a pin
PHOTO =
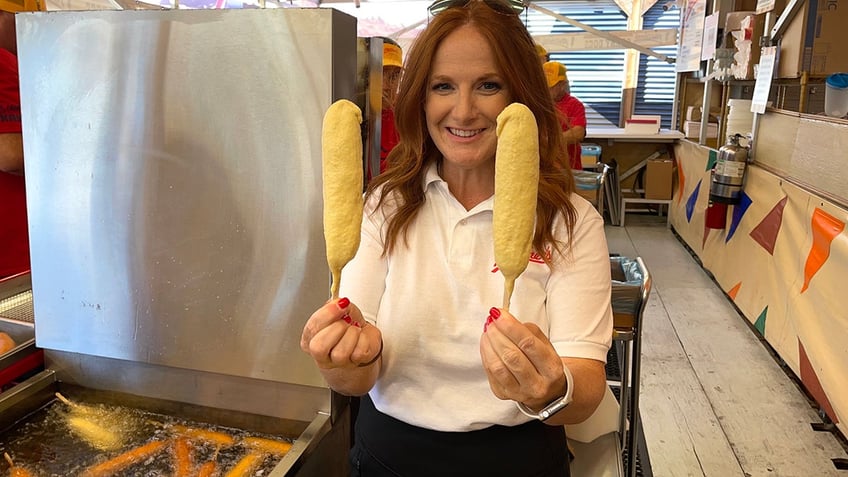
x=15, y=471
x=246, y=465
x=516, y=190
x=94, y=434
x=341, y=150
x=213, y=437
x=182, y=457
x=209, y=468
x=117, y=464
x=267, y=445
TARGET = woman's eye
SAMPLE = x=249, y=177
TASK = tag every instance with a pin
x=490, y=86
x=441, y=87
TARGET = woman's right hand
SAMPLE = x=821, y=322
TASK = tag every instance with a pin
x=337, y=336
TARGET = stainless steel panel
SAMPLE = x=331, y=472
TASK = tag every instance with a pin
x=256, y=396
x=173, y=179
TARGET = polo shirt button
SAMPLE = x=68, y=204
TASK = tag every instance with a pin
x=463, y=222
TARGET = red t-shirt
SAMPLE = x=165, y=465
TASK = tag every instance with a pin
x=573, y=114
x=388, y=136
x=14, y=242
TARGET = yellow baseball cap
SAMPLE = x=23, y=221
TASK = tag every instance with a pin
x=392, y=55
x=554, y=72
x=541, y=51
x=14, y=6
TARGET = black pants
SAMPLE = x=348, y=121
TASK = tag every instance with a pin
x=387, y=447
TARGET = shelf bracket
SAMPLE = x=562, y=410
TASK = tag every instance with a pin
x=782, y=22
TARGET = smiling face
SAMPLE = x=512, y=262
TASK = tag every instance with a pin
x=465, y=94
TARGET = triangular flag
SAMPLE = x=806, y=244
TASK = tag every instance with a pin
x=825, y=228
x=738, y=211
x=711, y=162
x=733, y=291
x=810, y=380
x=760, y=324
x=765, y=233
x=681, y=181
x=690, y=203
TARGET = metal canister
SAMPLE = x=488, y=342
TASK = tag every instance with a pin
x=729, y=172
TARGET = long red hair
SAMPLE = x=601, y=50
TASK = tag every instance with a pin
x=518, y=64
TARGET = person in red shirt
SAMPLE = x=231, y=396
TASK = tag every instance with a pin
x=392, y=68
x=14, y=242
x=572, y=112
x=542, y=52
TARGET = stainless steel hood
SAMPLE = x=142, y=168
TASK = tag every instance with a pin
x=174, y=193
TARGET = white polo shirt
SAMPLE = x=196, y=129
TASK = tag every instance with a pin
x=431, y=298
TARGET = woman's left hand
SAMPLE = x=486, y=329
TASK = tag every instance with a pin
x=520, y=361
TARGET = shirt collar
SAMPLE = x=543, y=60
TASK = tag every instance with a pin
x=432, y=175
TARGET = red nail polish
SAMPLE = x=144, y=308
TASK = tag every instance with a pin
x=356, y=324
x=346, y=319
x=495, y=313
x=489, y=321
x=343, y=303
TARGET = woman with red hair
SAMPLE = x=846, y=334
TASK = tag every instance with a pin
x=451, y=384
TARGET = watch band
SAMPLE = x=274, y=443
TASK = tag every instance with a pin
x=556, y=405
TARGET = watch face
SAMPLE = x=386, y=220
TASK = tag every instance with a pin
x=554, y=407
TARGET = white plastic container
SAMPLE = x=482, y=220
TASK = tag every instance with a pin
x=836, y=95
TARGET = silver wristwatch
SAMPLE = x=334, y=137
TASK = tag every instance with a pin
x=556, y=405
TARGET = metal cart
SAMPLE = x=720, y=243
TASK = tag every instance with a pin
x=631, y=289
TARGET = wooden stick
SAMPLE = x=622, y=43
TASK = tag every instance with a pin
x=64, y=399
x=16, y=471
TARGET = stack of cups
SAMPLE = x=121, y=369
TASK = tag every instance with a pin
x=740, y=119
x=836, y=95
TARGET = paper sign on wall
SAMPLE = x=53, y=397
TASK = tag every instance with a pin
x=710, y=36
x=764, y=76
x=765, y=6
x=691, y=36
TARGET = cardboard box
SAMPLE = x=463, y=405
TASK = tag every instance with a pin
x=813, y=41
x=692, y=129
x=658, y=179
x=643, y=125
x=693, y=113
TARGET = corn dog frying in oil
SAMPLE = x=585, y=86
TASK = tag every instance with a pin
x=341, y=150
x=516, y=189
x=267, y=445
x=16, y=471
x=117, y=464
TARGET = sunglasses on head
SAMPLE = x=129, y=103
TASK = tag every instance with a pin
x=509, y=7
